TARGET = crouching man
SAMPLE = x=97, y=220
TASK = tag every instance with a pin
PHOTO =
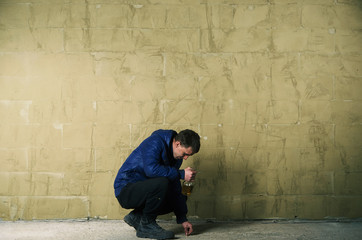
x=149, y=181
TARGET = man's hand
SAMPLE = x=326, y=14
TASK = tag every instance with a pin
x=188, y=228
x=190, y=174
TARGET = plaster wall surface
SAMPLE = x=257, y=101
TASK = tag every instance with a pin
x=272, y=86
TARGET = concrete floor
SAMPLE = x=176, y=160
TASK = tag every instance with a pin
x=112, y=230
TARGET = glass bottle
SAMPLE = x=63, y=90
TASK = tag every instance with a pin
x=187, y=188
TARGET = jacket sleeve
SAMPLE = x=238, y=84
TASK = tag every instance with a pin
x=151, y=154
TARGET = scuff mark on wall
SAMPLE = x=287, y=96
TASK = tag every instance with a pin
x=317, y=135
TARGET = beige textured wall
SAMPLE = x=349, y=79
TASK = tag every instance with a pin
x=272, y=86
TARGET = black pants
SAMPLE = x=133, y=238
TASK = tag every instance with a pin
x=150, y=197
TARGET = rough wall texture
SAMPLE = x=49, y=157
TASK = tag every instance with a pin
x=272, y=86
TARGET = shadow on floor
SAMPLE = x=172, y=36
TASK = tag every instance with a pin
x=204, y=227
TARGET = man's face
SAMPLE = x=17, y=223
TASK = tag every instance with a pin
x=180, y=152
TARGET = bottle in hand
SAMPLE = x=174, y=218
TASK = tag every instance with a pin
x=187, y=188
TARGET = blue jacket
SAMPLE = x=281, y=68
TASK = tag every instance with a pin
x=154, y=158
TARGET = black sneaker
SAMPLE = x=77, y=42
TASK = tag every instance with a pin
x=133, y=219
x=148, y=228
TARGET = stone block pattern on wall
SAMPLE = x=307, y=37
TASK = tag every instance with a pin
x=272, y=86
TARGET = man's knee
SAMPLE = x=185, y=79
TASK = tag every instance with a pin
x=161, y=183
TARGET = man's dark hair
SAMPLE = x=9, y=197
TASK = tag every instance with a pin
x=189, y=138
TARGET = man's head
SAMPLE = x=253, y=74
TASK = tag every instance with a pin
x=185, y=144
